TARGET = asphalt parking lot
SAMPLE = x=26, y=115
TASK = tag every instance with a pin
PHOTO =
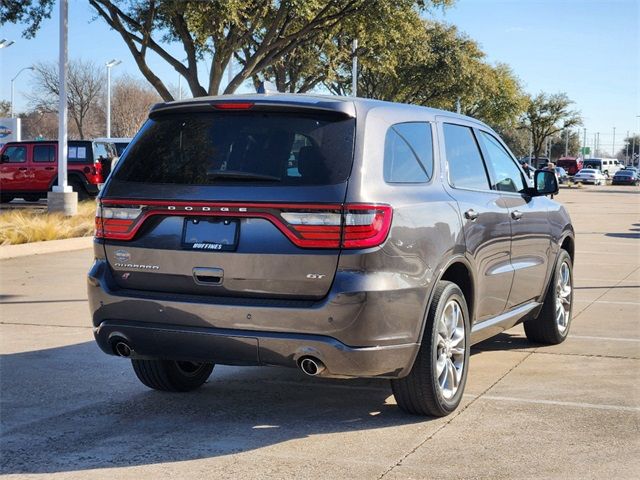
x=569, y=411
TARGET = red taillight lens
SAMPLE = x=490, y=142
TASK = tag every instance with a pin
x=365, y=225
x=117, y=223
x=313, y=228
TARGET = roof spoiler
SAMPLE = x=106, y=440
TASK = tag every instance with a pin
x=268, y=103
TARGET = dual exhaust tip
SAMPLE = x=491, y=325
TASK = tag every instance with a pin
x=122, y=348
x=311, y=366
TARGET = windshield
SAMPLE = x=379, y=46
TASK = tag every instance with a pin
x=241, y=147
x=587, y=170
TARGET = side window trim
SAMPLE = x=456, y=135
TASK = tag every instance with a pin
x=474, y=135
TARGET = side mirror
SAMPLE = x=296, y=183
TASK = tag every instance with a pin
x=545, y=183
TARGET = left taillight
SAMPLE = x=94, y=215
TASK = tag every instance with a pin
x=117, y=223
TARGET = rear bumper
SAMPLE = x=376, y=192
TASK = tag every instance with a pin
x=355, y=333
x=241, y=347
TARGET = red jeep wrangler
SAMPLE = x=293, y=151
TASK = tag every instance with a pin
x=29, y=170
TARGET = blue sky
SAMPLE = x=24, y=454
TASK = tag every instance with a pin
x=586, y=48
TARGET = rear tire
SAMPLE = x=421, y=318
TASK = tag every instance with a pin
x=171, y=375
x=445, y=347
x=6, y=198
x=551, y=327
x=79, y=189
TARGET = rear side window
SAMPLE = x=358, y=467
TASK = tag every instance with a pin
x=249, y=147
x=14, y=155
x=408, y=153
x=503, y=171
x=44, y=154
x=466, y=168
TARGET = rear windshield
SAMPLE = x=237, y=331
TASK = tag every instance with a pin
x=246, y=147
x=79, y=152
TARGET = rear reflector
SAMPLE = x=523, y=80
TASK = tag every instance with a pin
x=307, y=226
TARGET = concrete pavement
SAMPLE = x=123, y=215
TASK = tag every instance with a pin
x=569, y=411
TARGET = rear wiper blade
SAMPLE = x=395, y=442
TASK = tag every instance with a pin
x=237, y=175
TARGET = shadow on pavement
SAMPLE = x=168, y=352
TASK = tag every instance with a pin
x=73, y=408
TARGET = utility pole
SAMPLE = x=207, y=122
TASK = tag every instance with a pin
x=566, y=143
x=584, y=143
x=530, y=147
x=62, y=198
x=354, y=69
x=613, y=145
x=626, y=155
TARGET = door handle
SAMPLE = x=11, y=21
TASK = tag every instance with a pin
x=48, y=168
x=471, y=214
x=516, y=215
x=22, y=169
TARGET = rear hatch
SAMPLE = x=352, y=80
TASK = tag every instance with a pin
x=239, y=200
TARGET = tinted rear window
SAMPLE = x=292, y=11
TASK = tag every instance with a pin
x=246, y=147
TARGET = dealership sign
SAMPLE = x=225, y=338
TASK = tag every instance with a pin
x=9, y=130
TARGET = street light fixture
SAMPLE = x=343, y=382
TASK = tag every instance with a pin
x=12, y=80
x=4, y=43
x=109, y=65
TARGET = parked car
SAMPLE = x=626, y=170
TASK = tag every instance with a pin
x=571, y=164
x=590, y=175
x=633, y=169
x=625, y=177
x=28, y=170
x=402, y=236
x=562, y=174
x=608, y=166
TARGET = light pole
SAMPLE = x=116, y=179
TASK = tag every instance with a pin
x=109, y=65
x=613, y=146
x=4, y=43
x=13, y=80
x=62, y=198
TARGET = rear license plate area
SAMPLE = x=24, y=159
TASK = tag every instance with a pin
x=211, y=234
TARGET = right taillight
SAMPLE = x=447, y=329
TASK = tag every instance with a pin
x=365, y=225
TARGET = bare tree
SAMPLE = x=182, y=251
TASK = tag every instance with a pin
x=40, y=124
x=131, y=100
x=85, y=83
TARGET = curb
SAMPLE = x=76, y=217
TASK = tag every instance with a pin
x=41, y=248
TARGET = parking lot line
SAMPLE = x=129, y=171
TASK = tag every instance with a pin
x=560, y=403
x=612, y=339
x=607, y=301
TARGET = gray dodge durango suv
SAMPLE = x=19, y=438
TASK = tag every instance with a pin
x=343, y=236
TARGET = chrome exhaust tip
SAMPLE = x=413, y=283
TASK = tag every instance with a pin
x=311, y=366
x=122, y=349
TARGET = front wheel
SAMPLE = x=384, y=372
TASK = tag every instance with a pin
x=551, y=327
x=171, y=375
x=436, y=382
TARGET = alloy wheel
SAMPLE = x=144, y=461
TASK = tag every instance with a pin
x=563, y=298
x=450, y=351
